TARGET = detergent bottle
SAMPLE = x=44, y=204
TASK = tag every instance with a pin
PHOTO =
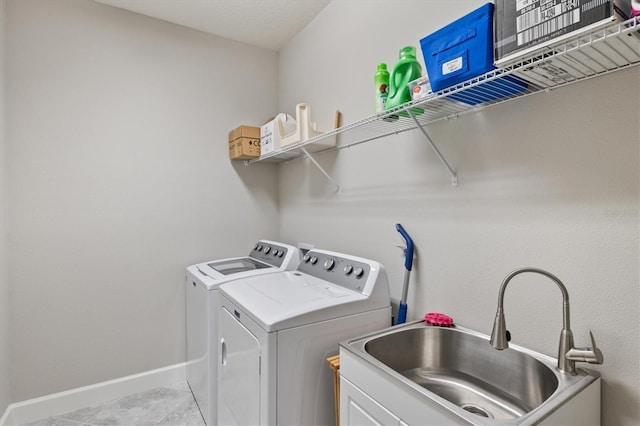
x=381, y=80
x=405, y=70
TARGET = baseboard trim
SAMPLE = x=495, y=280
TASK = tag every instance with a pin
x=74, y=399
x=5, y=419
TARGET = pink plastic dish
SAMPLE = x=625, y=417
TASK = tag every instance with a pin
x=440, y=320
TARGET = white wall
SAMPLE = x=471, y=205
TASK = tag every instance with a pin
x=550, y=181
x=4, y=284
x=119, y=178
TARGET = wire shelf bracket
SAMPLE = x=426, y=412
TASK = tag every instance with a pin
x=454, y=176
x=319, y=167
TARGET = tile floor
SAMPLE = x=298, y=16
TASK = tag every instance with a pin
x=166, y=406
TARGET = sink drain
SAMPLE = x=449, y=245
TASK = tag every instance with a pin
x=474, y=409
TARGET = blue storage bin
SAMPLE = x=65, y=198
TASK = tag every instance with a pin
x=461, y=50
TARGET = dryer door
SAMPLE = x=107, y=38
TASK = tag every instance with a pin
x=239, y=373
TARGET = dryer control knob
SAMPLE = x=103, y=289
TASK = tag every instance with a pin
x=267, y=249
x=306, y=258
x=359, y=272
x=348, y=269
x=329, y=264
x=281, y=253
x=259, y=248
x=275, y=252
x=314, y=260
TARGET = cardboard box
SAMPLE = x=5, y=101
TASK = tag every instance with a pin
x=244, y=143
x=461, y=50
x=271, y=132
x=268, y=131
x=523, y=27
x=420, y=88
x=244, y=132
x=244, y=149
x=552, y=72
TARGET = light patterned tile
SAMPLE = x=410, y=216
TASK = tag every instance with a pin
x=140, y=409
x=186, y=414
x=83, y=415
x=181, y=386
x=52, y=421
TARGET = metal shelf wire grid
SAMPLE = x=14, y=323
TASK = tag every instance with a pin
x=610, y=48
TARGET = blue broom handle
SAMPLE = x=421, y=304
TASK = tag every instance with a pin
x=408, y=256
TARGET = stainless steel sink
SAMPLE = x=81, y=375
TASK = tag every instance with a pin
x=459, y=366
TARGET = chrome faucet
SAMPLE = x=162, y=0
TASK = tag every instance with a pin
x=567, y=354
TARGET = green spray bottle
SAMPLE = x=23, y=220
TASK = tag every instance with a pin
x=405, y=70
x=381, y=80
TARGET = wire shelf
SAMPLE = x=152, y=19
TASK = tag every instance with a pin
x=607, y=49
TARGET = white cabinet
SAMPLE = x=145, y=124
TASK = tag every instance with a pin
x=358, y=409
x=369, y=397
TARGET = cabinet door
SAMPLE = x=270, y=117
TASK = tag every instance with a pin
x=358, y=409
x=239, y=373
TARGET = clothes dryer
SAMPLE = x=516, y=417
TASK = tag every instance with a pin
x=202, y=283
x=277, y=330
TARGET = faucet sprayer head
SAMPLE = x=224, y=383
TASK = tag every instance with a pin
x=499, y=337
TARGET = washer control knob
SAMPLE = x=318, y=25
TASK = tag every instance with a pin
x=267, y=249
x=306, y=258
x=314, y=260
x=329, y=264
x=281, y=253
x=259, y=247
x=348, y=269
x=359, y=272
x=256, y=247
x=275, y=252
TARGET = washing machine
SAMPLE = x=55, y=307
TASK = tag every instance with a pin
x=202, y=291
x=277, y=330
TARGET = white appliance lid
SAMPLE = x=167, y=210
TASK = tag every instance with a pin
x=238, y=265
x=266, y=257
x=212, y=279
x=290, y=299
